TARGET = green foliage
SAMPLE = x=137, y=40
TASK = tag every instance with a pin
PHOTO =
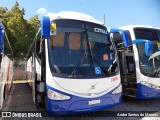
x=20, y=32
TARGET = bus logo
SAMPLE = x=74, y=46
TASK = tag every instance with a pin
x=98, y=30
x=114, y=79
x=93, y=87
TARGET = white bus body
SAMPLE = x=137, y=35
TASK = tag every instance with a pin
x=72, y=71
x=140, y=62
x=6, y=69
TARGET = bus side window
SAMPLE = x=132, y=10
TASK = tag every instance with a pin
x=38, y=48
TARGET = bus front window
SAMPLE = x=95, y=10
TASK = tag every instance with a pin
x=149, y=65
x=74, y=52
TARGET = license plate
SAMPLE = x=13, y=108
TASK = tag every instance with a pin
x=94, y=102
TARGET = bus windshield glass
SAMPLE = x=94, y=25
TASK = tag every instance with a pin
x=79, y=49
x=149, y=65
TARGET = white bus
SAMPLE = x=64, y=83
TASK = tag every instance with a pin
x=140, y=62
x=6, y=66
x=74, y=64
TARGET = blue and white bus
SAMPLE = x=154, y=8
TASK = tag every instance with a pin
x=6, y=66
x=140, y=62
x=74, y=64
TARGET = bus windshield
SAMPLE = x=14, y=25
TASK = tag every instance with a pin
x=79, y=49
x=149, y=65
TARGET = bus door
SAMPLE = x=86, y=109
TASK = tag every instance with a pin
x=127, y=65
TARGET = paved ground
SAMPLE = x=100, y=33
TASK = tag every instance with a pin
x=20, y=99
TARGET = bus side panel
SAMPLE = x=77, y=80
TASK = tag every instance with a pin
x=31, y=75
x=29, y=70
x=6, y=77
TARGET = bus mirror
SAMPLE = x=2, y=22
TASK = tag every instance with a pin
x=45, y=27
x=148, y=46
x=1, y=36
x=1, y=41
x=123, y=34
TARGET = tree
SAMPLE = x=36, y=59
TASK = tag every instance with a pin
x=20, y=32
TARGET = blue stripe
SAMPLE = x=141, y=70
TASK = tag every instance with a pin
x=145, y=92
x=80, y=104
x=1, y=37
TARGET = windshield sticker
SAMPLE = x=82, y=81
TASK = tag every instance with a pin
x=53, y=29
x=97, y=70
x=105, y=57
x=158, y=44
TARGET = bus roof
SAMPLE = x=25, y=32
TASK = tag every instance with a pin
x=138, y=26
x=74, y=16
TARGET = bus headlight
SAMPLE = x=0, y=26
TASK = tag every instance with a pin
x=56, y=96
x=118, y=90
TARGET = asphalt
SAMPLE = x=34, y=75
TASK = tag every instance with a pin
x=20, y=100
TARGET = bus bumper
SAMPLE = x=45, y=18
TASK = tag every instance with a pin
x=145, y=92
x=78, y=104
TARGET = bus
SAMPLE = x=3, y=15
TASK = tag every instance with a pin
x=6, y=66
x=140, y=61
x=74, y=64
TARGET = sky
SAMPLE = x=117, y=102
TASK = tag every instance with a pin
x=117, y=12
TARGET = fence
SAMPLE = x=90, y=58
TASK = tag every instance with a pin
x=19, y=69
x=19, y=73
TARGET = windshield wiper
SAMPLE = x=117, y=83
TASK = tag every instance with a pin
x=79, y=63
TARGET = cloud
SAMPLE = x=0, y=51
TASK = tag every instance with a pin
x=41, y=11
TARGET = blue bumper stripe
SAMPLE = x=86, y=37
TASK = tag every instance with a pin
x=81, y=104
x=145, y=92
